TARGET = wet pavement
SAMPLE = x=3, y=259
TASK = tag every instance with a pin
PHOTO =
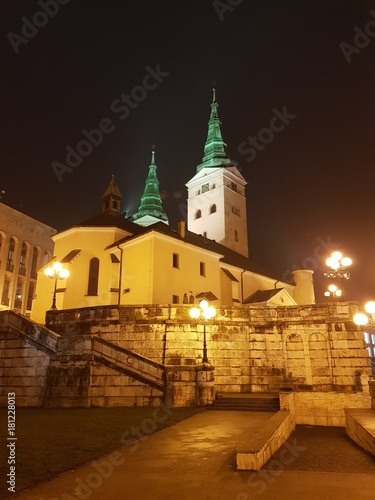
x=195, y=460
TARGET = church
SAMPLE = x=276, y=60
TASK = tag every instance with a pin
x=116, y=327
x=113, y=260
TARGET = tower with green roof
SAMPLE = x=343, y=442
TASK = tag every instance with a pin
x=150, y=209
x=216, y=193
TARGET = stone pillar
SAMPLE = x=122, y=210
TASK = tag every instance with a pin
x=304, y=291
x=205, y=384
x=371, y=384
x=286, y=398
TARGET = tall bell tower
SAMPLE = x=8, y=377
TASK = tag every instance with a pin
x=216, y=194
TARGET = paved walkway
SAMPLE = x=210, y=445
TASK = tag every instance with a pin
x=194, y=460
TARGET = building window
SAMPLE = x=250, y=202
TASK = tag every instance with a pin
x=18, y=299
x=234, y=186
x=202, y=268
x=198, y=214
x=176, y=261
x=22, y=268
x=236, y=211
x=92, y=288
x=10, y=260
x=175, y=299
x=213, y=186
x=30, y=295
x=205, y=234
x=212, y=209
x=235, y=235
x=5, y=296
x=34, y=263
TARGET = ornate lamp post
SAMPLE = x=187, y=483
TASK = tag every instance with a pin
x=56, y=272
x=206, y=312
x=338, y=265
x=333, y=291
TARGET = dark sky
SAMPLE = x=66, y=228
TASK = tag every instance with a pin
x=310, y=190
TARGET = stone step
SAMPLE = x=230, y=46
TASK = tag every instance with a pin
x=246, y=402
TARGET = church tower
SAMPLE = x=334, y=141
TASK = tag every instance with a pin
x=150, y=209
x=112, y=198
x=216, y=194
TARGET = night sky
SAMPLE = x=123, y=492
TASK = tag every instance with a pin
x=310, y=189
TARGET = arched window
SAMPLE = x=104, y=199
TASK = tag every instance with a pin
x=10, y=260
x=212, y=209
x=92, y=288
x=235, y=235
x=198, y=214
x=22, y=268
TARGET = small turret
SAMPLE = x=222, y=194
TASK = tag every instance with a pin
x=112, y=198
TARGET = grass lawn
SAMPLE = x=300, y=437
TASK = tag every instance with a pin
x=53, y=441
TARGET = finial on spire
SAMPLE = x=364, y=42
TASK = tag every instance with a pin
x=153, y=148
x=214, y=92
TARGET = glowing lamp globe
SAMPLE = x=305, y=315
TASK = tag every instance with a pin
x=360, y=319
x=194, y=312
x=370, y=307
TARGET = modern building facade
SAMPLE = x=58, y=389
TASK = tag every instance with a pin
x=25, y=246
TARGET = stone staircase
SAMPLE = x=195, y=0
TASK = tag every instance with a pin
x=246, y=401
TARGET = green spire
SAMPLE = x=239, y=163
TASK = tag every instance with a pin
x=214, y=149
x=150, y=209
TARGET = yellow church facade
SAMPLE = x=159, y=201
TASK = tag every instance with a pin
x=113, y=260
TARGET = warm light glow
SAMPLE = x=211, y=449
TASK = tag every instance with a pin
x=332, y=288
x=327, y=293
x=338, y=293
x=203, y=304
x=57, y=266
x=194, y=312
x=346, y=261
x=56, y=271
x=335, y=264
x=336, y=255
x=360, y=319
x=370, y=307
x=210, y=312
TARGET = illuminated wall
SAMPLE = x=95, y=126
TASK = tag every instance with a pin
x=25, y=244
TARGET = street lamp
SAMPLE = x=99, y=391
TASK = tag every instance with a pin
x=56, y=272
x=334, y=291
x=362, y=319
x=338, y=265
x=206, y=312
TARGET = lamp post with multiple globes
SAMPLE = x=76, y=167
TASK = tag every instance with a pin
x=339, y=270
x=333, y=291
x=206, y=312
x=338, y=265
x=56, y=272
